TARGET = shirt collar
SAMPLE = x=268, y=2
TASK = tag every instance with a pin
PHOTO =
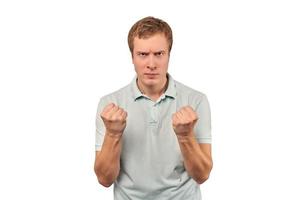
x=171, y=90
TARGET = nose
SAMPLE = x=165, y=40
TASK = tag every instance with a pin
x=151, y=63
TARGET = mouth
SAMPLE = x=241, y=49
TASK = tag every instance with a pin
x=151, y=74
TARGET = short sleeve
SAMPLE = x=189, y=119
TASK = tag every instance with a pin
x=100, y=128
x=203, y=124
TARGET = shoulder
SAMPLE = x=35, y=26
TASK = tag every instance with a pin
x=190, y=95
x=118, y=97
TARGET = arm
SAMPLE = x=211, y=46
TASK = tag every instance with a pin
x=107, y=161
x=197, y=157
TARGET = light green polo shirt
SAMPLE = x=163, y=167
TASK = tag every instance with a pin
x=151, y=161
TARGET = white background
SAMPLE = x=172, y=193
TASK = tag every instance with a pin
x=59, y=57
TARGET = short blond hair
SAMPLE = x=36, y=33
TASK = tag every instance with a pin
x=148, y=27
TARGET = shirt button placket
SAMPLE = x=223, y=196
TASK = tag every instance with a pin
x=154, y=116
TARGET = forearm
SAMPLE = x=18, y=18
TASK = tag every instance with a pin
x=197, y=163
x=107, y=164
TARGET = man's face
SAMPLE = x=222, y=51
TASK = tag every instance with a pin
x=151, y=58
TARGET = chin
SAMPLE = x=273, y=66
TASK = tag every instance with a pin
x=151, y=82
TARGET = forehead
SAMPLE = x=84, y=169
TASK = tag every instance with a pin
x=156, y=42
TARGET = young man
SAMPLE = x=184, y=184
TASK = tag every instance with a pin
x=153, y=136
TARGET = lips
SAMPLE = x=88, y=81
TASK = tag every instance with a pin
x=150, y=74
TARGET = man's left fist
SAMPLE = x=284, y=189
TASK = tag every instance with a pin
x=184, y=120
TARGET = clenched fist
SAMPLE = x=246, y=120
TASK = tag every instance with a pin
x=114, y=119
x=184, y=120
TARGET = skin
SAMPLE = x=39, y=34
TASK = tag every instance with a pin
x=151, y=56
x=107, y=162
x=197, y=157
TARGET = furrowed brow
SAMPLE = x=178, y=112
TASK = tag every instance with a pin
x=158, y=52
x=143, y=52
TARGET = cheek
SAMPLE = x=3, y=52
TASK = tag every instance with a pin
x=138, y=63
x=138, y=66
x=164, y=64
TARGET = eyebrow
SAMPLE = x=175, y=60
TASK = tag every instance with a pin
x=147, y=53
x=161, y=51
x=144, y=52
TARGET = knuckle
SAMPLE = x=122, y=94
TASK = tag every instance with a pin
x=113, y=118
x=119, y=118
x=186, y=122
x=109, y=119
x=103, y=116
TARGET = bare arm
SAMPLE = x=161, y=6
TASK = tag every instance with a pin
x=107, y=161
x=197, y=158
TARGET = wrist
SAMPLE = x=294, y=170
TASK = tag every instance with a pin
x=185, y=137
x=115, y=135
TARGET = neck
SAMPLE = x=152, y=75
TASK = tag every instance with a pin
x=156, y=91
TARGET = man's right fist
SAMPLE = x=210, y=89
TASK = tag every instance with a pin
x=114, y=119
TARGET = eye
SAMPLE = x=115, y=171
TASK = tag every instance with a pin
x=142, y=54
x=159, y=53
